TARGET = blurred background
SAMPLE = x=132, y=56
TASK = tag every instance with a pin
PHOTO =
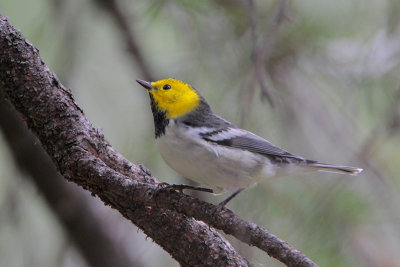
x=317, y=78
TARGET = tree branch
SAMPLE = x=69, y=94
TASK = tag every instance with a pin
x=262, y=46
x=98, y=247
x=83, y=156
x=127, y=32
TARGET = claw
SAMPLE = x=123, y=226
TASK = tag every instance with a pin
x=225, y=201
x=181, y=187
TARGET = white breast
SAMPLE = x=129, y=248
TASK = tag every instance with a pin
x=209, y=164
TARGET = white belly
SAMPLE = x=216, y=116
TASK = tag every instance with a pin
x=212, y=165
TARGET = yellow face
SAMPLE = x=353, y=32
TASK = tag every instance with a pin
x=174, y=97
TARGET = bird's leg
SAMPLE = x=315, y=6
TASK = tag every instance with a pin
x=181, y=187
x=225, y=201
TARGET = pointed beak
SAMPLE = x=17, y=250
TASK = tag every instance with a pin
x=146, y=85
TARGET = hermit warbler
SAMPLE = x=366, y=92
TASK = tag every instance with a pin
x=207, y=149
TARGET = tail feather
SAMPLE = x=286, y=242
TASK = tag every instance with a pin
x=338, y=169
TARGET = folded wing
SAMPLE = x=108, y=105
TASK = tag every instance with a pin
x=242, y=139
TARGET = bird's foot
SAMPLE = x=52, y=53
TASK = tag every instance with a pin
x=181, y=187
x=222, y=204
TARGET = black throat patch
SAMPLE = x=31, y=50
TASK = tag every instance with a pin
x=160, y=118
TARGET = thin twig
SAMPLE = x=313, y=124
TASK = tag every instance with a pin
x=98, y=247
x=261, y=53
x=127, y=32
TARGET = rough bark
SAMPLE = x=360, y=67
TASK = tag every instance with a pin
x=83, y=156
x=68, y=137
x=69, y=205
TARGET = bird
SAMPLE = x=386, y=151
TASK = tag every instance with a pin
x=213, y=152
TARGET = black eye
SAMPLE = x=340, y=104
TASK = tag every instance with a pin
x=166, y=87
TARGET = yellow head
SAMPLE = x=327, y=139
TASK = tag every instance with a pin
x=174, y=97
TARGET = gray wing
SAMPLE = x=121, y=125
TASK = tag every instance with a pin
x=241, y=139
x=215, y=129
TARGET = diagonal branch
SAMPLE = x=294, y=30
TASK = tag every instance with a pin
x=83, y=156
x=127, y=32
x=98, y=247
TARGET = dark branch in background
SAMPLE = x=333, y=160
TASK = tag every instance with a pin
x=127, y=32
x=83, y=156
x=71, y=207
x=261, y=53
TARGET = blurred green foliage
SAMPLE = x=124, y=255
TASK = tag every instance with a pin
x=334, y=78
